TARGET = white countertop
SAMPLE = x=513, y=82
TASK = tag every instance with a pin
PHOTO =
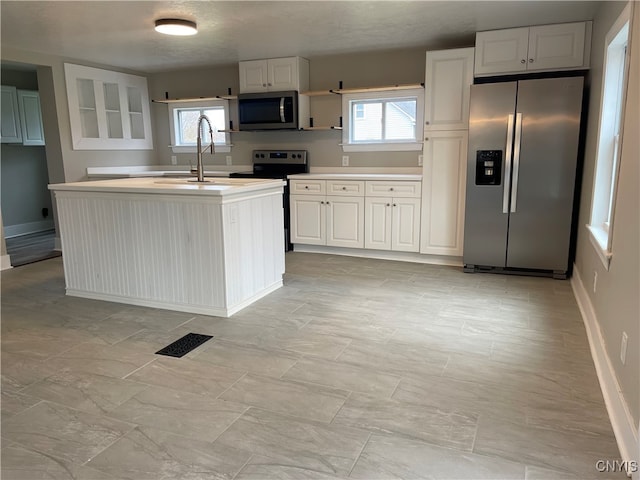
x=172, y=186
x=162, y=171
x=355, y=176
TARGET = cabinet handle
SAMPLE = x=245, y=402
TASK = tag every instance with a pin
x=306, y=187
x=531, y=60
x=426, y=123
x=395, y=205
x=321, y=203
x=523, y=61
x=426, y=138
x=270, y=85
x=327, y=203
x=264, y=84
x=391, y=189
x=388, y=204
x=344, y=188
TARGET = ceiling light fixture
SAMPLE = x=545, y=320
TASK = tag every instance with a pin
x=175, y=26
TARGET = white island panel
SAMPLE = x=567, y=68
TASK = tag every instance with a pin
x=206, y=253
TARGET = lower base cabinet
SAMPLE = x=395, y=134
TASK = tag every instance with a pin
x=392, y=223
x=356, y=214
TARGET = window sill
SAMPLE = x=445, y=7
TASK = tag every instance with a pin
x=382, y=147
x=599, y=240
x=218, y=149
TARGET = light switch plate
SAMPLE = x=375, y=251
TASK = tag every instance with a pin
x=174, y=160
x=345, y=160
x=420, y=160
x=229, y=160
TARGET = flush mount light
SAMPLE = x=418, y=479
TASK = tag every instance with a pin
x=175, y=26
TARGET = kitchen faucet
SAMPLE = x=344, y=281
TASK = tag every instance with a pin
x=199, y=171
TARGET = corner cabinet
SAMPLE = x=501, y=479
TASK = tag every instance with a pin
x=107, y=110
x=274, y=74
x=564, y=46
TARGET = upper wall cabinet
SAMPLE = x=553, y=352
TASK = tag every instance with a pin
x=21, y=117
x=449, y=75
x=274, y=74
x=563, y=46
x=30, y=117
x=107, y=110
x=10, y=126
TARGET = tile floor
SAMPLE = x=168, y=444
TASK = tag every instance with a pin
x=356, y=368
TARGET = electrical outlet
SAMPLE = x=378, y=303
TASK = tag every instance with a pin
x=420, y=160
x=595, y=280
x=174, y=160
x=623, y=347
x=345, y=160
x=229, y=160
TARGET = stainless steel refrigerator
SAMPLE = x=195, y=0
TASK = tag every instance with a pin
x=521, y=175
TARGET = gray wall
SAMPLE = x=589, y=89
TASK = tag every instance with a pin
x=369, y=69
x=617, y=301
x=23, y=169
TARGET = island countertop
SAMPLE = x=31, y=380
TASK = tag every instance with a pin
x=173, y=186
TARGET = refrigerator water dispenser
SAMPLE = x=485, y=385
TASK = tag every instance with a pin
x=488, y=167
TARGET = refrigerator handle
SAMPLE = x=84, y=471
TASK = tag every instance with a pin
x=516, y=162
x=507, y=168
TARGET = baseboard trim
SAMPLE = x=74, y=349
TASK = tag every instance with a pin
x=622, y=422
x=5, y=262
x=179, y=307
x=381, y=254
x=26, y=228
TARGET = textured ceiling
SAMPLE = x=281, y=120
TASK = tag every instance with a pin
x=120, y=33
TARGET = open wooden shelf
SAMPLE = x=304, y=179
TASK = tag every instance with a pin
x=342, y=91
x=199, y=99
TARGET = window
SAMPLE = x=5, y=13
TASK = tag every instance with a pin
x=610, y=134
x=184, y=120
x=383, y=121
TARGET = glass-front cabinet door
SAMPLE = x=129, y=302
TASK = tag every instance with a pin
x=107, y=110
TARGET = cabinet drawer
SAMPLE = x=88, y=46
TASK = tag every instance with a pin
x=345, y=187
x=393, y=189
x=308, y=187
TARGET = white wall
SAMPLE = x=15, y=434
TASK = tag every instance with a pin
x=616, y=301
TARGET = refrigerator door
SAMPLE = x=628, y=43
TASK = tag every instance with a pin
x=490, y=135
x=544, y=171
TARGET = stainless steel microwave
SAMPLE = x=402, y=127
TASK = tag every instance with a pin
x=268, y=111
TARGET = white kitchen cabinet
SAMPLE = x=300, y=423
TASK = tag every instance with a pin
x=10, y=126
x=443, y=193
x=107, y=110
x=334, y=220
x=563, y=46
x=448, y=77
x=392, y=222
x=30, y=117
x=274, y=74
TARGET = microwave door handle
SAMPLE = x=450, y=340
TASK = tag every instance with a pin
x=507, y=170
x=282, y=119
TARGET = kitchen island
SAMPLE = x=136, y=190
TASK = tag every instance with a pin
x=211, y=248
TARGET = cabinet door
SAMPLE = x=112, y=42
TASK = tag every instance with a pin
x=556, y=46
x=501, y=51
x=443, y=193
x=10, y=119
x=253, y=76
x=378, y=223
x=30, y=117
x=345, y=221
x=405, y=224
x=308, y=219
x=282, y=74
x=448, y=76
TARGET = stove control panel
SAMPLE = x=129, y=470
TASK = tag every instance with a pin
x=280, y=156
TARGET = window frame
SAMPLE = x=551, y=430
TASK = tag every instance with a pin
x=176, y=107
x=383, y=145
x=610, y=140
